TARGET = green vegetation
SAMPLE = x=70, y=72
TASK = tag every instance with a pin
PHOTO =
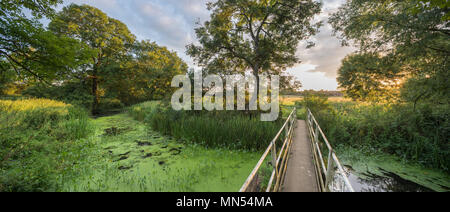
x=369, y=77
x=87, y=61
x=261, y=36
x=101, y=66
x=131, y=157
x=30, y=52
x=51, y=146
x=223, y=129
x=419, y=136
x=84, y=60
x=399, y=76
x=40, y=140
x=125, y=70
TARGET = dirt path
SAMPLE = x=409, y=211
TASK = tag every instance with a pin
x=300, y=176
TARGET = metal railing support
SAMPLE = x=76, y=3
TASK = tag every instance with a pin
x=316, y=135
x=279, y=159
x=330, y=170
x=274, y=159
x=325, y=173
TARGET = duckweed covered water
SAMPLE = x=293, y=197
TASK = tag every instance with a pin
x=130, y=157
x=385, y=173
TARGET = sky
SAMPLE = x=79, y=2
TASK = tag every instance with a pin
x=171, y=23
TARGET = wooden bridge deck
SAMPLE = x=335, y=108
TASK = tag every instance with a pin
x=301, y=173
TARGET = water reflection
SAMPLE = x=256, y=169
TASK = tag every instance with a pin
x=387, y=182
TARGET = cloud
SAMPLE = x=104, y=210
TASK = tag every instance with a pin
x=328, y=53
x=326, y=56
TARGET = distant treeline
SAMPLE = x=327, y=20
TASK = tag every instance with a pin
x=315, y=93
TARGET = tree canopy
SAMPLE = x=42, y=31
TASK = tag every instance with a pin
x=82, y=57
x=257, y=35
x=369, y=77
x=31, y=51
x=109, y=37
x=415, y=33
x=146, y=74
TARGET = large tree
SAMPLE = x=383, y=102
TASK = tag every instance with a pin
x=146, y=74
x=109, y=37
x=257, y=35
x=289, y=84
x=415, y=32
x=28, y=49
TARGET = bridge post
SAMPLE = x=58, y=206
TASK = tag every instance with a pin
x=286, y=130
x=274, y=159
x=316, y=135
x=330, y=170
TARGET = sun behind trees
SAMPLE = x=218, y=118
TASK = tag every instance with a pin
x=399, y=76
x=414, y=35
x=370, y=77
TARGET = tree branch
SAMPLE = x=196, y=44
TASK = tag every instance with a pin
x=14, y=61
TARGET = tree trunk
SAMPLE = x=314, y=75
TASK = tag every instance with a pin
x=255, y=97
x=95, y=91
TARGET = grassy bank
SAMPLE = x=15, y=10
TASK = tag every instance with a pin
x=40, y=141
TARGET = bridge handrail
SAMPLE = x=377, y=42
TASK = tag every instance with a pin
x=279, y=162
x=326, y=174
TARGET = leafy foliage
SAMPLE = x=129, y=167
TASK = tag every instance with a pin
x=145, y=75
x=31, y=51
x=414, y=33
x=109, y=37
x=369, y=77
x=75, y=93
x=260, y=35
x=430, y=5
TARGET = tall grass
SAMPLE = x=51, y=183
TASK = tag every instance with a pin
x=39, y=142
x=225, y=129
x=420, y=135
x=140, y=111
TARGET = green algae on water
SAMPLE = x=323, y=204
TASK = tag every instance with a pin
x=366, y=164
x=136, y=158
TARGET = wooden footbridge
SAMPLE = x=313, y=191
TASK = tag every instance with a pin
x=298, y=159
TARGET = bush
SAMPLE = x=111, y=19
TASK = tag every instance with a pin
x=110, y=106
x=39, y=143
x=75, y=93
x=141, y=111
